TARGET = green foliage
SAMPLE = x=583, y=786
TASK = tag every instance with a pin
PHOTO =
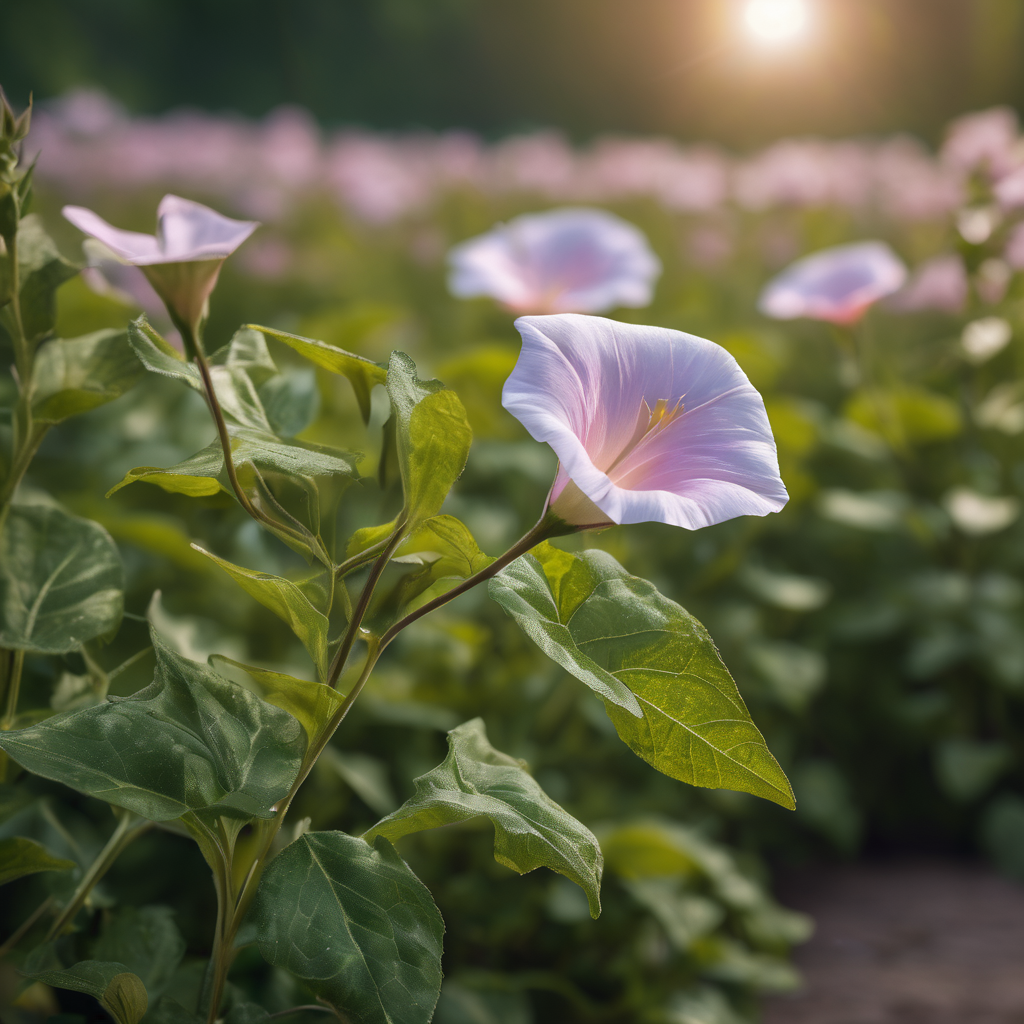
x=72, y=377
x=356, y=924
x=118, y=991
x=41, y=271
x=20, y=856
x=530, y=829
x=61, y=580
x=288, y=602
x=634, y=647
x=362, y=373
x=189, y=742
x=433, y=438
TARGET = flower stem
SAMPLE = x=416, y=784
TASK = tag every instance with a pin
x=548, y=526
x=225, y=443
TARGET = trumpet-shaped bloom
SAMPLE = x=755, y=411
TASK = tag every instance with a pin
x=184, y=257
x=837, y=285
x=571, y=260
x=648, y=424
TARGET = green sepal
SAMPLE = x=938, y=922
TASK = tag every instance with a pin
x=530, y=829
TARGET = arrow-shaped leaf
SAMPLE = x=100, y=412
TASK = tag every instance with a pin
x=616, y=633
x=530, y=829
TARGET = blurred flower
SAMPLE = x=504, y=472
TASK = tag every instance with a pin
x=182, y=260
x=911, y=185
x=982, y=339
x=979, y=514
x=569, y=260
x=1014, y=251
x=992, y=280
x=982, y=141
x=976, y=223
x=648, y=424
x=837, y=285
x=939, y=283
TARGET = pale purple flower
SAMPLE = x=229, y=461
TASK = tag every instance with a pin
x=184, y=257
x=575, y=259
x=649, y=424
x=837, y=285
x=939, y=283
x=982, y=140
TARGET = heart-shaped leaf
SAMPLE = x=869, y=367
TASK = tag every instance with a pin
x=355, y=924
x=530, y=829
x=61, y=580
x=72, y=377
x=190, y=741
x=616, y=633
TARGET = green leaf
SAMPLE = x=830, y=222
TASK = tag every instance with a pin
x=362, y=373
x=203, y=473
x=355, y=924
x=61, y=580
x=121, y=993
x=147, y=941
x=641, y=652
x=287, y=602
x=72, y=377
x=158, y=356
x=20, y=856
x=530, y=829
x=190, y=741
x=313, y=704
x=42, y=271
x=433, y=437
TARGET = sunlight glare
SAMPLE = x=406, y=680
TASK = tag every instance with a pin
x=776, y=20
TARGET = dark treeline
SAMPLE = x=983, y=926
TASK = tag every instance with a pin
x=681, y=67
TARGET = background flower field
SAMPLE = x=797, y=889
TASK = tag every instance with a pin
x=873, y=626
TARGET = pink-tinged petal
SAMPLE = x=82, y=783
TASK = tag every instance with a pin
x=568, y=260
x=131, y=246
x=836, y=285
x=190, y=231
x=580, y=385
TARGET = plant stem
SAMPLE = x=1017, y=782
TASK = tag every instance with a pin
x=13, y=689
x=227, y=926
x=361, y=605
x=130, y=827
x=225, y=443
x=24, y=929
x=548, y=526
x=353, y=563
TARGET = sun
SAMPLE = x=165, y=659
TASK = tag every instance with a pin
x=776, y=21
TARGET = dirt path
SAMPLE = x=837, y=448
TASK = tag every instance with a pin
x=909, y=943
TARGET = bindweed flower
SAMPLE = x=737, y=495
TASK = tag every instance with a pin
x=837, y=285
x=181, y=261
x=571, y=260
x=649, y=424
